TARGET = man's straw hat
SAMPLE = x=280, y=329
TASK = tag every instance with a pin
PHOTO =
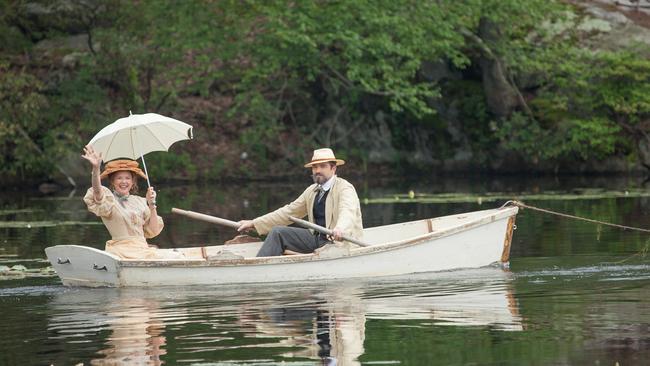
x=122, y=164
x=323, y=156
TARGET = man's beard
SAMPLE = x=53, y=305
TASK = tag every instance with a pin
x=319, y=178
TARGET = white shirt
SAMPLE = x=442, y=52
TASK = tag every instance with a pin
x=327, y=185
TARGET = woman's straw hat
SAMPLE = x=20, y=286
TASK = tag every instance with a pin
x=122, y=164
x=323, y=156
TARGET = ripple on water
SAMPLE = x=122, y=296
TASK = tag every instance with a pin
x=31, y=290
x=281, y=319
x=603, y=272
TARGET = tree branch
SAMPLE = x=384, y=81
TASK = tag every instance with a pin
x=348, y=83
x=503, y=70
x=356, y=125
x=38, y=149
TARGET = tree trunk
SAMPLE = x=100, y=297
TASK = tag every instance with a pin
x=501, y=96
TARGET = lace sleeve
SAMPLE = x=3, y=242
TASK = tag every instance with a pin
x=103, y=208
x=148, y=232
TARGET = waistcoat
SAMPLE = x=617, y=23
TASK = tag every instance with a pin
x=319, y=210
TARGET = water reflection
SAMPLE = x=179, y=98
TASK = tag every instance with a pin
x=324, y=322
x=135, y=323
x=330, y=327
x=583, y=300
x=136, y=337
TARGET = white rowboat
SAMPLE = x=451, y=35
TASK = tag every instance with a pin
x=468, y=240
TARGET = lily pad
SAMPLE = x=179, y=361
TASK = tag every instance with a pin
x=62, y=198
x=15, y=260
x=19, y=210
x=20, y=272
x=47, y=270
x=575, y=194
x=40, y=224
x=11, y=275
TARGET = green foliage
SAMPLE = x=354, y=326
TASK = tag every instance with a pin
x=216, y=170
x=592, y=138
x=587, y=102
x=581, y=139
x=372, y=48
x=610, y=83
x=21, y=127
x=11, y=39
x=160, y=164
x=622, y=86
x=277, y=78
x=476, y=122
x=79, y=98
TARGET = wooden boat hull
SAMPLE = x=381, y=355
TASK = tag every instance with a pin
x=468, y=240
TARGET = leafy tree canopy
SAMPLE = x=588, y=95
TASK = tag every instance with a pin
x=277, y=78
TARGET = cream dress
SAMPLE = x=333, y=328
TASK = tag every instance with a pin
x=125, y=222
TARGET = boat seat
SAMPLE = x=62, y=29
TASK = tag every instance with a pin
x=223, y=255
x=332, y=250
x=242, y=239
x=290, y=252
x=219, y=255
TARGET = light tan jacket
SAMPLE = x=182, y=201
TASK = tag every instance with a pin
x=342, y=210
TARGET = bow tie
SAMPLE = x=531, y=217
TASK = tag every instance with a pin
x=121, y=198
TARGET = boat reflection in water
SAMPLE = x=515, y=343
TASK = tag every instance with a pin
x=272, y=323
x=136, y=325
x=136, y=337
x=330, y=326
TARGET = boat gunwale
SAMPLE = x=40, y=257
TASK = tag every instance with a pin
x=496, y=214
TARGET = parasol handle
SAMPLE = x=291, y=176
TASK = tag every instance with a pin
x=144, y=164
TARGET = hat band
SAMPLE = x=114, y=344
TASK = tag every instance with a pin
x=325, y=160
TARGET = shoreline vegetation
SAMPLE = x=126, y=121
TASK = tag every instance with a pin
x=394, y=87
x=640, y=179
x=415, y=187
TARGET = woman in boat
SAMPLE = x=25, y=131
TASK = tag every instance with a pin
x=129, y=218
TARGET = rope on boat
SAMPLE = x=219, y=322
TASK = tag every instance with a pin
x=523, y=205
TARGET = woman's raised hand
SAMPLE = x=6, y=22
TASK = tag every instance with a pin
x=93, y=157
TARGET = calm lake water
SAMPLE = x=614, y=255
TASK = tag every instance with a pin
x=576, y=293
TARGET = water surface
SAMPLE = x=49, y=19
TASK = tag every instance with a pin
x=576, y=293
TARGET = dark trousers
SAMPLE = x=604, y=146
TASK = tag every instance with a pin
x=292, y=238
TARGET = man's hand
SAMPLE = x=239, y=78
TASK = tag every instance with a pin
x=336, y=234
x=245, y=225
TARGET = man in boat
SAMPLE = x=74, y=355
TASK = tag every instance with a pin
x=330, y=202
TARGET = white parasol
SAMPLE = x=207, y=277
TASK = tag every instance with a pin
x=138, y=134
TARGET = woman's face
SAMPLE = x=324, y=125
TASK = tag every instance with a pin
x=122, y=182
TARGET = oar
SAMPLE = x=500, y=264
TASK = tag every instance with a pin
x=325, y=231
x=239, y=239
x=207, y=218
